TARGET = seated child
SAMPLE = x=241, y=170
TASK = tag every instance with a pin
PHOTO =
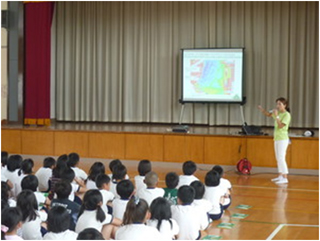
x=103, y=184
x=63, y=190
x=188, y=168
x=161, y=218
x=73, y=162
x=119, y=174
x=171, y=191
x=187, y=215
x=135, y=217
x=57, y=225
x=112, y=164
x=30, y=182
x=4, y=160
x=6, y=200
x=225, y=185
x=44, y=173
x=13, y=168
x=125, y=190
x=143, y=168
x=214, y=194
x=152, y=191
x=96, y=169
x=11, y=221
x=90, y=234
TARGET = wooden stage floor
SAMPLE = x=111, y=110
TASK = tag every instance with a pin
x=278, y=211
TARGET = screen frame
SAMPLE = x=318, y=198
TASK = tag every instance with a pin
x=182, y=101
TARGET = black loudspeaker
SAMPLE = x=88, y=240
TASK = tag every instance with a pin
x=4, y=19
x=252, y=130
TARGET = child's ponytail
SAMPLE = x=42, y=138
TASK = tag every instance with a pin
x=101, y=216
x=92, y=201
x=136, y=211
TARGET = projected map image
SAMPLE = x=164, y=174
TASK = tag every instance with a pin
x=213, y=77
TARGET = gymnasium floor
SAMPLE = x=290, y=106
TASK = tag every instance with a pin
x=277, y=211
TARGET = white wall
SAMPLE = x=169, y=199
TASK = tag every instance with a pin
x=4, y=71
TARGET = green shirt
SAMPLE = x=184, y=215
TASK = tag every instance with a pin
x=171, y=195
x=282, y=133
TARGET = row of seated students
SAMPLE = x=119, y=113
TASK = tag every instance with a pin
x=61, y=201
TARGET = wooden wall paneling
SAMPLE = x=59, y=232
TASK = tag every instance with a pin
x=107, y=145
x=305, y=153
x=71, y=141
x=223, y=150
x=37, y=142
x=144, y=146
x=11, y=141
x=195, y=148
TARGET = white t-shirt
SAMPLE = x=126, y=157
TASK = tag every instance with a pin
x=189, y=221
x=113, y=189
x=91, y=184
x=15, y=179
x=66, y=235
x=43, y=174
x=31, y=230
x=79, y=173
x=149, y=194
x=139, y=184
x=74, y=189
x=88, y=220
x=202, y=204
x=119, y=207
x=186, y=180
x=41, y=199
x=225, y=186
x=166, y=230
x=138, y=232
x=106, y=197
x=126, y=177
x=213, y=194
x=3, y=174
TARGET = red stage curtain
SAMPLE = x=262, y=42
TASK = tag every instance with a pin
x=38, y=18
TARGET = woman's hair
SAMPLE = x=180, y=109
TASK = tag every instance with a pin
x=26, y=166
x=160, y=210
x=28, y=205
x=136, y=211
x=284, y=102
x=92, y=200
x=96, y=169
x=90, y=234
x=14, y=162
x=58, y=219
x=10, y=217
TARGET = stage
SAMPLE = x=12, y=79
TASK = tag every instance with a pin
x=157, y=142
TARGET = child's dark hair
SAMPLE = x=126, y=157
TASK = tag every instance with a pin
x=62, y=189
x=30, y=182
x=144, y=167
x=189, y=167
x=5, y=189
x=212, y=179
x=4, y=158
x=61, y=165
x=10, y=217
x=26, y=166
x=218, y=169
x=172, y=180
x=125, y=189
x=186, y=194
x=102, y=179
x=198, y=188
x=91, y=201
x=73, y=159
x=114, y=163
x=28, y=205
x=96, y=169
x=14, y=162
x=136, y=211
x=119, y=172
x=58, y=219
x=68, y=175
x=160, y=210
x=49, y=162
x=90, y=234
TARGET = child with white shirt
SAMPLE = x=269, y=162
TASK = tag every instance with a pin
x=143, y=168
x=78, y=187
x=187, y=215
x=225, y=185
x=134, y=228
x=103, y=184
x=214, y=194
x=4, y=160
x=119, y=174
x=57, y=225
x=161, y=218
x=152, y=191
x=188, y=168
x=30, y=182
x=91, y=215
x=96, y=169
x=125, y=190
x=73, y=162
x=32, y=218
x=90, y=234
x=11, y=222
x=13, y=167
x=112, y=164
x=44, y=173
